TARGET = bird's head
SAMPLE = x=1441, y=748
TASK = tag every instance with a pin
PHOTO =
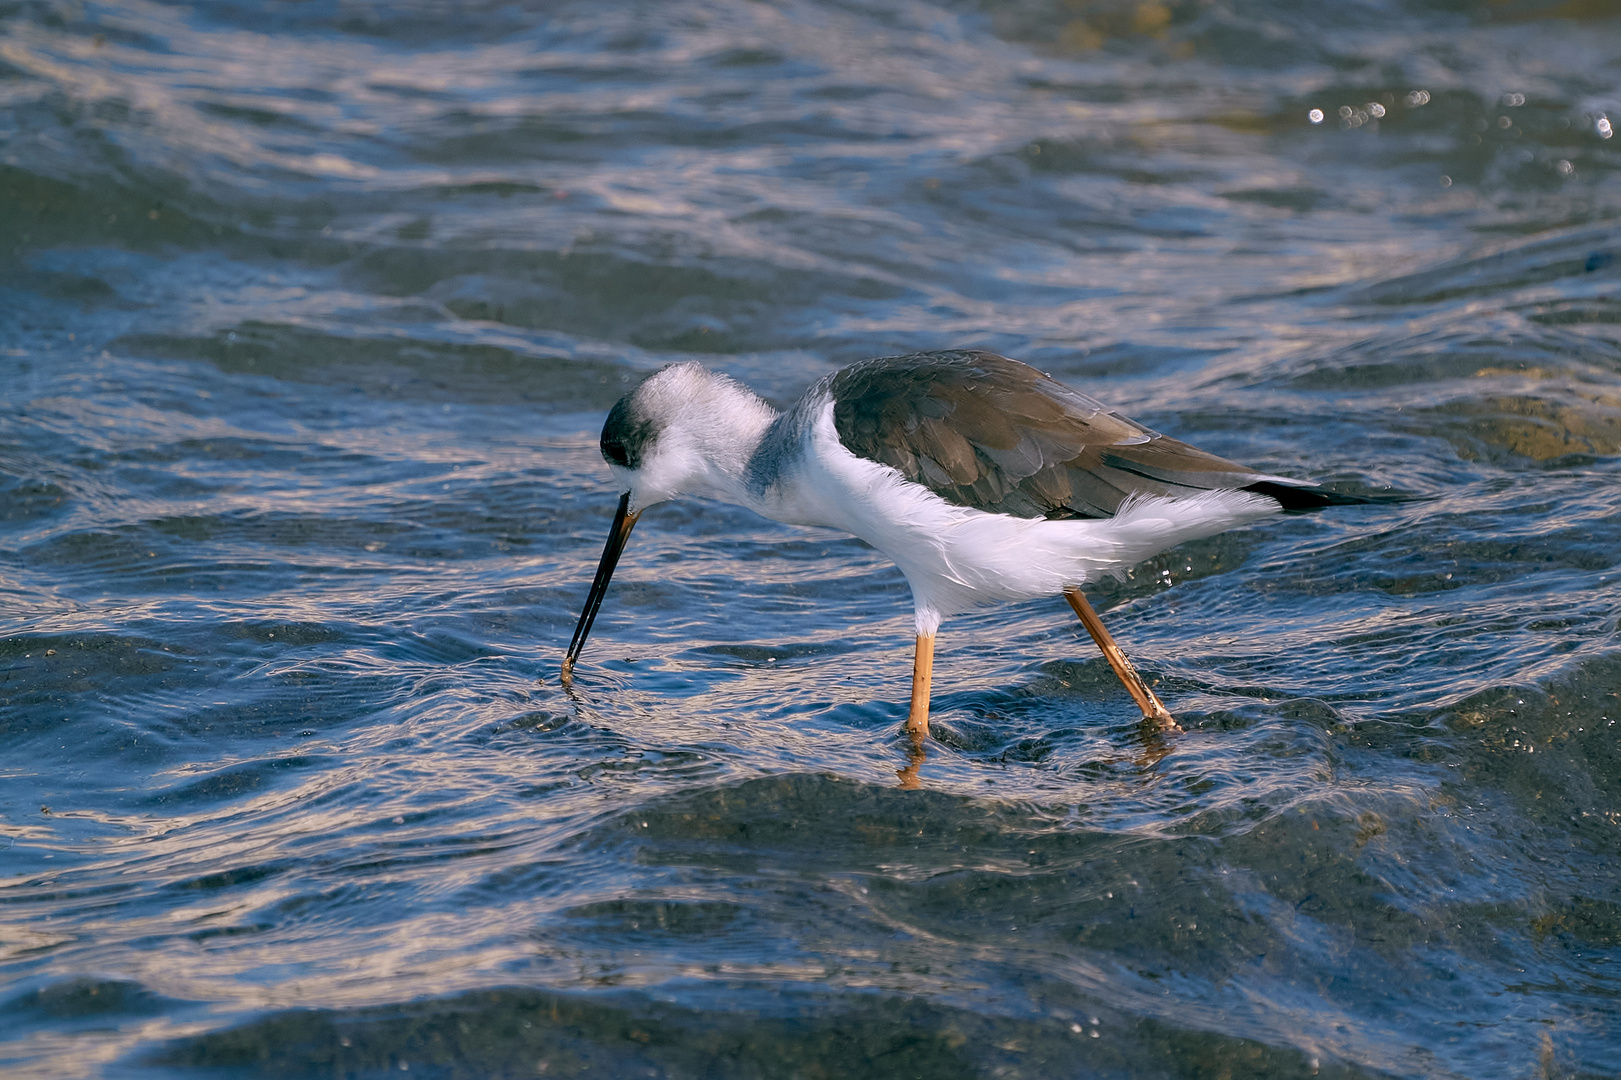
x=685, y=430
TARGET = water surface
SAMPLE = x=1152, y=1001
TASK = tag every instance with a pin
x=309, y=317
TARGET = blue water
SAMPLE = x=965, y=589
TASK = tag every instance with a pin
x=310, y=314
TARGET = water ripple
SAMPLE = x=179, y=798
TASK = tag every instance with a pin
x=311, y=316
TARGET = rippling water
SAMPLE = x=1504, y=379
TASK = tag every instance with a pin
x=309, y=316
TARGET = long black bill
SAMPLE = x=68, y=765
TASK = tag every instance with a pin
x=624, y=521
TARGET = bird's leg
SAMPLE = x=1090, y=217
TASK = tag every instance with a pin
x=915, y=757
x=1139, y=691
x=917, y=721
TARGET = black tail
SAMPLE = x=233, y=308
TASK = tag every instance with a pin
x=1303, y=500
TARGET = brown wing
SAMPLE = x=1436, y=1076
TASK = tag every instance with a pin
x=993, y=434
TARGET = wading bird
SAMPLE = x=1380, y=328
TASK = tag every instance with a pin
x=982, y=478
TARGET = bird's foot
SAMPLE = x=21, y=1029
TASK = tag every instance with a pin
x=1160, y=722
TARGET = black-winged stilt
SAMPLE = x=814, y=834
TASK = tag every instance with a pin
x=982, y=478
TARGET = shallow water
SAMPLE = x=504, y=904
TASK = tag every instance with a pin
x=310, y=316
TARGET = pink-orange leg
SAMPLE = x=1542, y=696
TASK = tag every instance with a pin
x=917, y=720
x=1146, y=701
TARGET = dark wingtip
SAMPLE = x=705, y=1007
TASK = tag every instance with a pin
x=1303, y=500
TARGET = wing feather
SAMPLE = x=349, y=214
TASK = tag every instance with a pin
x=993, y=434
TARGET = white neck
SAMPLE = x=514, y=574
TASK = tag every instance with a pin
x=724, y=438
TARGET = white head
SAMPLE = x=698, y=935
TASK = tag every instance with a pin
x=685, y=431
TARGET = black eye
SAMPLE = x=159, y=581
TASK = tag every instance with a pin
x=615, y=451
